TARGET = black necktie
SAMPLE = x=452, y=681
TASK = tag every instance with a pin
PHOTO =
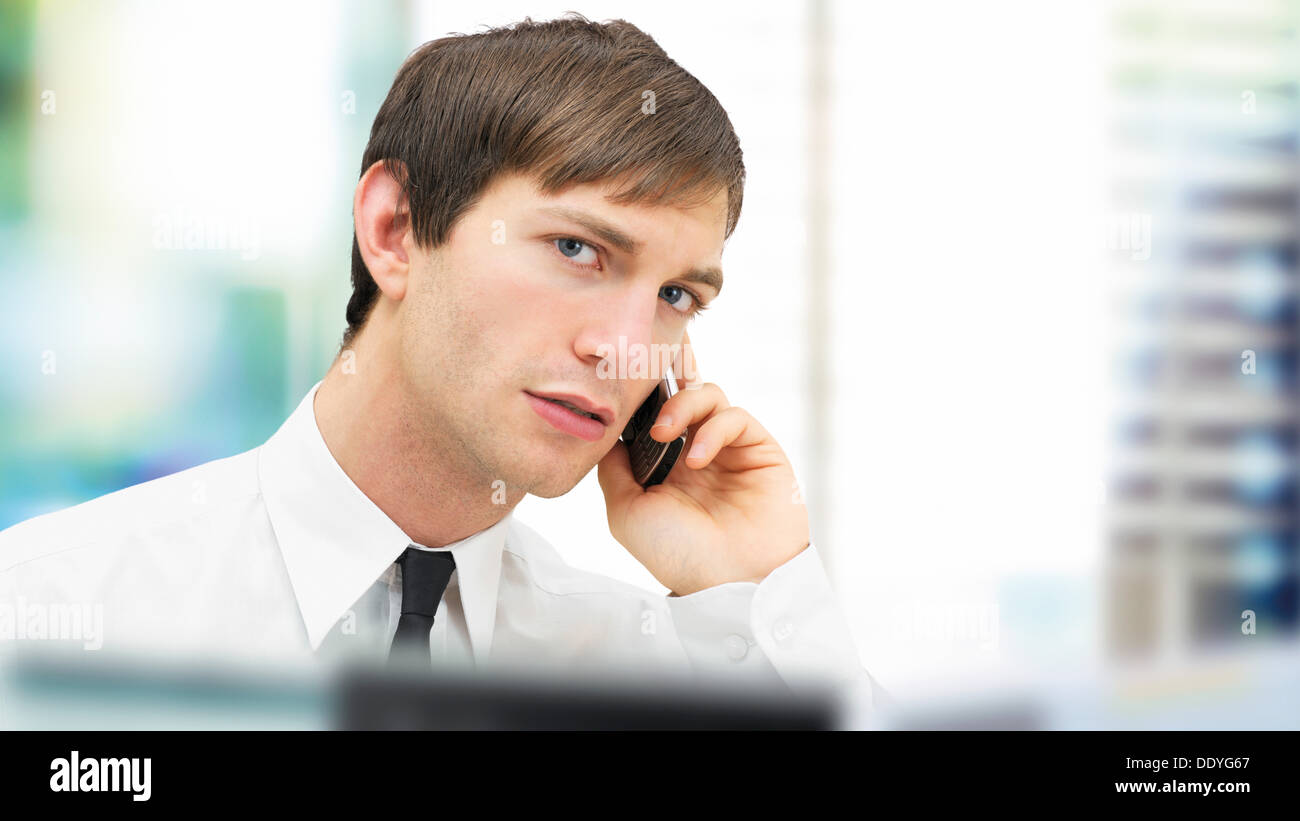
x=425, y=574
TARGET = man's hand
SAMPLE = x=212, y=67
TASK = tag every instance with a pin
x=729, y=510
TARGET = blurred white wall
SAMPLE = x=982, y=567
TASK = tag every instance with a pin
x=970, y=315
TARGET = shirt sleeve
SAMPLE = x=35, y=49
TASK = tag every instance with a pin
x=788, y=628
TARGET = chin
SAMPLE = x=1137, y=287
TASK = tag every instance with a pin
x=553, y=486
x=548, y=477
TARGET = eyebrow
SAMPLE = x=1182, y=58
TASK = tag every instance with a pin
x=711, y=275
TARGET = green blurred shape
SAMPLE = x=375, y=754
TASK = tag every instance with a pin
x=17, y=33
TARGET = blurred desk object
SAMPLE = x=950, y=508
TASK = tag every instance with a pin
x=524, y=700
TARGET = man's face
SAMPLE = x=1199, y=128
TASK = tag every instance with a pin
x=517, y=305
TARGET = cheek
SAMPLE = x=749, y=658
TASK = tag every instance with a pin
x=503, y=315
x=506, y=301
x=527, y=296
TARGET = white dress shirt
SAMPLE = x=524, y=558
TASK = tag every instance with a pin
x=275, y=553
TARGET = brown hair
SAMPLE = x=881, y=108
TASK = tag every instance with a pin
x=567, y=101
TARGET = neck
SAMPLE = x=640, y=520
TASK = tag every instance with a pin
x=362, y=413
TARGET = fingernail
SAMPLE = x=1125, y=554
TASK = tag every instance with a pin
x=697, y=451
x=664, y=421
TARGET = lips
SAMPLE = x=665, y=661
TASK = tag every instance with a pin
x=574, y=408
x=566, y=418
x=580, y=405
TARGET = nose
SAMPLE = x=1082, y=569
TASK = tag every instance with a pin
x=617, y=326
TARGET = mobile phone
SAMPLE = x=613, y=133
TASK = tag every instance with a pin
x=651, y=459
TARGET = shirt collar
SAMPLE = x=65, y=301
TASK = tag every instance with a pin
x=336, y=542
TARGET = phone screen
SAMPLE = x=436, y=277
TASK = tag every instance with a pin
x=651, y=460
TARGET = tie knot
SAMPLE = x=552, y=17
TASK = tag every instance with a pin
x=425, y=574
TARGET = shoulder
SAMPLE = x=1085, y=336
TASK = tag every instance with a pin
x=140, y=510
x=531, y=554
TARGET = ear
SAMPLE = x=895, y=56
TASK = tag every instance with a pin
x=383, y=226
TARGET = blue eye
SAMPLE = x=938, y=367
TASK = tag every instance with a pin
x=572, y=248
x=675, y=295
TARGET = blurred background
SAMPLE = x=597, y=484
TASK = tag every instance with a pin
x=1014, y=286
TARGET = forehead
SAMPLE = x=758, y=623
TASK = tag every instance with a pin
x=702, y=219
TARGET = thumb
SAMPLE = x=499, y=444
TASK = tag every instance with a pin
x=614, y=472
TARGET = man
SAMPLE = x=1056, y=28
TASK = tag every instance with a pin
x=531, y=199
